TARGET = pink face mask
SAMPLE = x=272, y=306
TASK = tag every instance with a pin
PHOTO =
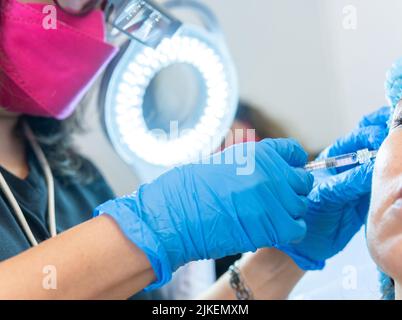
x=46, y=72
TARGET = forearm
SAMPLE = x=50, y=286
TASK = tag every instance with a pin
x=92, y=261
x=269, y=274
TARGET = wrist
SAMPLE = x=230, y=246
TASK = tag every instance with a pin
x=303, y=262
x=270, y=274
x=127, y=215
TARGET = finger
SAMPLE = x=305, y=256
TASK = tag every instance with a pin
x=285, y=227
x=297, y=208
x=377, y=118
x=291, y=184
x=363, y=138
x=289, y=149
x=276, y=221
x=294, y=204
x=299, y=180
x=269, y=225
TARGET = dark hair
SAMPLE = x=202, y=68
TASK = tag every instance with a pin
x=56, y=139
x=264, y=125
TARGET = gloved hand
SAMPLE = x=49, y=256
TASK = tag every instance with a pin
x=338, y=204
x=372, y=127
x=208, y=211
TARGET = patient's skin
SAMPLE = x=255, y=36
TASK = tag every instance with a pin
x=384, y=233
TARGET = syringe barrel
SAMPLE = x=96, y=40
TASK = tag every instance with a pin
x=359, y=157
x=345, y=160
x=335, y=162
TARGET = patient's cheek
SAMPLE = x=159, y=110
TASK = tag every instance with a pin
x=384, y=230
x=385, y=241
x=387, y=178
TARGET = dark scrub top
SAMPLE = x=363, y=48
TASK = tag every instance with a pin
x=74, y=203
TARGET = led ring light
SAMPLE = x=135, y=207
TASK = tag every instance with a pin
x=124, y=96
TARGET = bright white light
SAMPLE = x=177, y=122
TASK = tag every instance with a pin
x=129, y=119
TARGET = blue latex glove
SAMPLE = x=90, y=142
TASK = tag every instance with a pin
x=393, y=83
x=208, y=211
x=372, y=127
x=339, y=202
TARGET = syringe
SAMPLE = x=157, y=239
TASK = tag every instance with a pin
x=359, y=157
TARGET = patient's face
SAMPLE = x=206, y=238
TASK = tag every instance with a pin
x=385, y=221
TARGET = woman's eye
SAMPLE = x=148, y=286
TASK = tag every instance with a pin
x=397, y=122
x=397, y=118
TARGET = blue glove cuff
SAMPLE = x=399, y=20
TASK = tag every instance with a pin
x=304, y=263
x=124, y=212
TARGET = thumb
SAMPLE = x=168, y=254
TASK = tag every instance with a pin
x=362, y=138
x=348, y=186
x=377, y=118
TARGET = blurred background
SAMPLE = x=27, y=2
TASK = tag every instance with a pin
x=307, y=70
